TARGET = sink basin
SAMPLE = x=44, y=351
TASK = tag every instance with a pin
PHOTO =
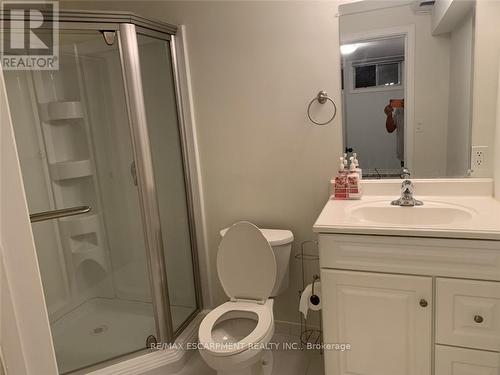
x=431, y=213
x=453, y=208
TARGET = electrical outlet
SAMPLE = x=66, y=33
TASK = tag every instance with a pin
x=419, y=128
x=479, y=159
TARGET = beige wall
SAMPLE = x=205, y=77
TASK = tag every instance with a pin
x=460, y=108
x=255, y=66
x=496, y=160
x=486, y=60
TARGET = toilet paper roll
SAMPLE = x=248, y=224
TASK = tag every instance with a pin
x=310, y=301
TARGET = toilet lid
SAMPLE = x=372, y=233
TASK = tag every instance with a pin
x=246, y=263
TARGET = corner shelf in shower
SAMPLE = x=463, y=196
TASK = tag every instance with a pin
x=66, y=170
x=84, y=240
x=79, y=225
x=95, y=255
x=67, y=110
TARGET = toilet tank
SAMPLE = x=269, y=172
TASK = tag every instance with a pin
x=281, y=242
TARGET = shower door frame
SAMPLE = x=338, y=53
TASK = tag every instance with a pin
x=127, y=25
x=130, y=60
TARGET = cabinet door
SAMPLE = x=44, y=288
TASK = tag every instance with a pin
x=459, y=361
x=386, y=320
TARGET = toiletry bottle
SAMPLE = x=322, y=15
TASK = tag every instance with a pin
x=331, y=188
x=333, y=181
x=353, y=185
x=340, y=189
x=352, y=167
x=356, y=163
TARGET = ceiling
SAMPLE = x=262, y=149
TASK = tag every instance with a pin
x=378, y=48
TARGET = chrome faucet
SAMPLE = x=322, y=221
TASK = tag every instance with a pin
x=405, y=173
x=406, y=199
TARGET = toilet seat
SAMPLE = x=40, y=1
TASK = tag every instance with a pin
x=247, y=271
x=234, y=310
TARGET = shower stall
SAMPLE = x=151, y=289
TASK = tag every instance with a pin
x=102, y=148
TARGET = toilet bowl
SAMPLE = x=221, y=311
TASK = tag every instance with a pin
x=234, y=336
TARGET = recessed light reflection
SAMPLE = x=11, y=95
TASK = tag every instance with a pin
x=347, y=49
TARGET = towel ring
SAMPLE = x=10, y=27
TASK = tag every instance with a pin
x=322, y=98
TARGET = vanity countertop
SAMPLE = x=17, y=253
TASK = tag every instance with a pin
x=453, y=208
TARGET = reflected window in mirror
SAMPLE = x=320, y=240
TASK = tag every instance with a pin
x=377, y=74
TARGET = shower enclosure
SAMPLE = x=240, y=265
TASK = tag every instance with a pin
x=103, y=157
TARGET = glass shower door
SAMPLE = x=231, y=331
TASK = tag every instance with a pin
x=75, y=148
x=165, y=138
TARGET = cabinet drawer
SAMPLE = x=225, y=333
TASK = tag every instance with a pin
x=468, y=313
x=471, y=259
x=459, y=361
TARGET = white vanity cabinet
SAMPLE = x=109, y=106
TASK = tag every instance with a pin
x=410, y=306
x=385, y=318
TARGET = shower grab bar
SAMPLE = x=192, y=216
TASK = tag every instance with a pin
x=56, y=214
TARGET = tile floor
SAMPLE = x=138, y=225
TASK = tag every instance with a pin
x=78, y=344
x=286, y=362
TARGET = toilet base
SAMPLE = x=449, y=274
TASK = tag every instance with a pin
x=264, y=366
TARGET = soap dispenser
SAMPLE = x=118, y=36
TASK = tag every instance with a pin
x=353, y=185
x=340, y=185
x=356, y=163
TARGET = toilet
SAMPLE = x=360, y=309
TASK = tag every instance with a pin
x=253, y=266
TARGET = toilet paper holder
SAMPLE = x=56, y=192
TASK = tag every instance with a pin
x=309, y=334
x=314, y=299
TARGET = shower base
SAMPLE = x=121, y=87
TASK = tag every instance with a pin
x=101, y=329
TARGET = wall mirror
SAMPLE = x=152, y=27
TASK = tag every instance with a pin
x=407, y=86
